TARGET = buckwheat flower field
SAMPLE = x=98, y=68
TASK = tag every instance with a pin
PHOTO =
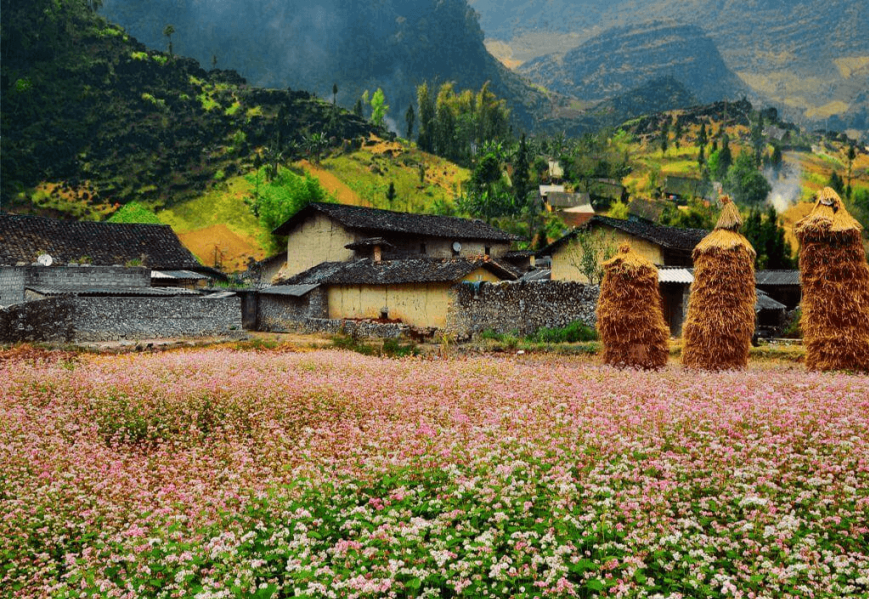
x=219, y=473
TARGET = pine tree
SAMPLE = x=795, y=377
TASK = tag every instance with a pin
x=409, y=118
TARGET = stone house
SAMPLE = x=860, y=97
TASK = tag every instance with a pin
x=323, y=232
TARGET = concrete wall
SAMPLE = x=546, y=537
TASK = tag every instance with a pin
x=520, y=306
x=13, y=279
x=563, y=259
x=317, y=239
x=418, y=305
x=280, y=313
x=68, y=319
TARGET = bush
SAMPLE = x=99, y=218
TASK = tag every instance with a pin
x=575, y=332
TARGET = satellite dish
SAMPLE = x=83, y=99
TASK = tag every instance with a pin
x=45, y=260
x=457, y=247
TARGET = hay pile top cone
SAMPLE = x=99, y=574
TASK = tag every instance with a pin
x=829, y=216
x=726, y=234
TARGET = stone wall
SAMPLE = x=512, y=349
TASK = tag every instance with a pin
x=279, y=313
x=79, y=319
x=520, y=306
x=354, y=328
x=12, y=282
x=13, y=279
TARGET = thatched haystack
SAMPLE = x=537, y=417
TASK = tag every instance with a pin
x=720, y=323
x=835, y=281
x=630, y=318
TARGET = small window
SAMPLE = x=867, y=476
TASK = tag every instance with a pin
x=422, y=248
x=487, y=250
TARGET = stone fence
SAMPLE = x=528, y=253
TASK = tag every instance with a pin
x=88, y=319
x=523, y=307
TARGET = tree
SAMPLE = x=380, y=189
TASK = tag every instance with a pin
x=284, y=196
x=745, y=183
x=851, y=155
x=836, y=183
x=426, y=117
x=334, y=94
x=776, y=159
x=379, y=107
x=725, y=159
x=589, y=249
x=357, y=108
x=213, y=61
x=390, y=194
x=619, y=210
x=702, y=137
x=521, y=174
x=168, y=31
x=768, y=239
x=409, y=118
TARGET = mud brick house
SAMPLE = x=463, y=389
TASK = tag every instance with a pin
x=415, y=291
x=574, y=208
x=324, y=232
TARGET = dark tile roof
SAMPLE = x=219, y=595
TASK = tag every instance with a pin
x=384, y=222
x=687, y=187
x=649, y=210
x=181, y=275
x=765, y=302
x=672, y=238
x=289, y=290
x=777, y=277
x=563, y=199
x=23, y=238
x=393, y=272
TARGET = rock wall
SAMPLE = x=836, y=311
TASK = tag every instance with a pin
x=13, y=279
x=83, y=319
x=279, y=313
x=524, y=307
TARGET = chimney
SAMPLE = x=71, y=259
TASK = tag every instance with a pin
x=378, y=254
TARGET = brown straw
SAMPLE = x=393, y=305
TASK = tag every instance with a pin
x=721, y=319
x=630, y=317
x=835, y=282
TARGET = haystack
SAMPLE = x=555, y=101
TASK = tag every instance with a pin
x=630, y=318
x=835, y=281
x=720, y=323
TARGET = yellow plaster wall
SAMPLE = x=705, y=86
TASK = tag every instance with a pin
x=316, y=240
x=564, y=270
x=423, y=305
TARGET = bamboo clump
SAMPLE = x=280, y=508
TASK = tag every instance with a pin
x=630, y=318
x=721, y=317
x=835, y=279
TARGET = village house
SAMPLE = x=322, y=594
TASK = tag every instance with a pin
x=324, y=232
x=574, y=208
x=92, y=281
x=682, y=189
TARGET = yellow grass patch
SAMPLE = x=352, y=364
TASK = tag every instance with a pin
x=852, y=65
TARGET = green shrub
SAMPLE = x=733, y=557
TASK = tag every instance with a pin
x=135, y=212
x=575, y=332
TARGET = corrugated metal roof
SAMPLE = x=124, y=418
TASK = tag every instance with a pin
x=291, y=290
x=187, y=275
x=681, y=276
x=112, y=291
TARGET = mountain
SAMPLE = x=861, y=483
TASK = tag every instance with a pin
x=356, y=45
x=625, y=58
x=810, y=57
x=91, y=117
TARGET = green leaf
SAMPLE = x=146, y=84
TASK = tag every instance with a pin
x=595, y=585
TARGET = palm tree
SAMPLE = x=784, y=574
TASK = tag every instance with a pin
x=168, y=31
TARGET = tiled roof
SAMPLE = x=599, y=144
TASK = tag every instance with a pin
x=393, y=272
x=290, y=290
x=765, y=302
x=671, y=238
x=23, y=238
x=384, y=222
x=777, y=277
x=370, y=242
x=562, y=199
x=181, y=275
x=646, y=209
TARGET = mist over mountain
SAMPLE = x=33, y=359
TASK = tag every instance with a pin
x=625, y=58
x=358, y=46
x=810, y=57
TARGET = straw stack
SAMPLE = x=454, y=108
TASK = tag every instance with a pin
x=630, y=318
x=720, y=323
x=835, y=281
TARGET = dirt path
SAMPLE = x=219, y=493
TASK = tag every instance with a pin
x=333, y=184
